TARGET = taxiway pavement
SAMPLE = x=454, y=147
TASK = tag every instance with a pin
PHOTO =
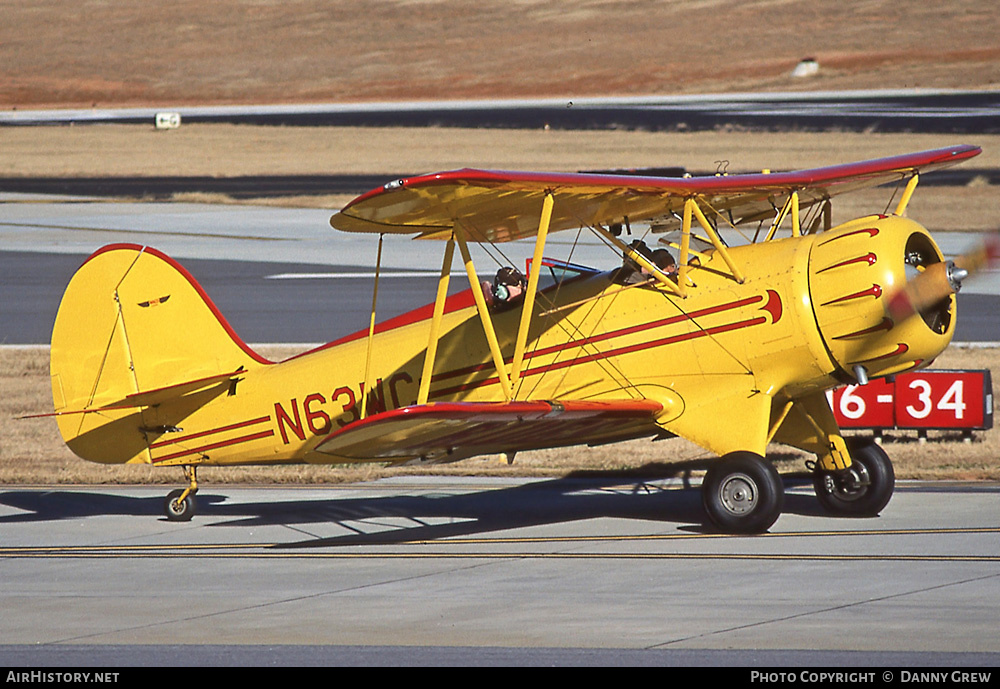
x=502, y=563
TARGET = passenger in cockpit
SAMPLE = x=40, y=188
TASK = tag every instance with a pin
x=506, y=289
x=632, y=273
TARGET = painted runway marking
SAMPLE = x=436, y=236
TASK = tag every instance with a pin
x=342, y=276
x=130, y=230
x=298, y=555
x=301, y=550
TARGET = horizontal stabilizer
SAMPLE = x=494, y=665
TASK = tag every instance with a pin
x=449, y=431
x=152, y=398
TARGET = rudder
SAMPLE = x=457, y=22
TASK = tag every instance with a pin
x=132, y=321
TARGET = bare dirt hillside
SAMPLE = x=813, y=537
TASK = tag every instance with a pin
x=93, y=52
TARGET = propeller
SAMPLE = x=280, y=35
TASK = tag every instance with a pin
x=942, y=279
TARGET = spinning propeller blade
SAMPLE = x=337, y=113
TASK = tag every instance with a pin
x=939, y=280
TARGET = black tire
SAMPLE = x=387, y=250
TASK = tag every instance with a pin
x=743, y=493
x=179, y=510
x=864, y=493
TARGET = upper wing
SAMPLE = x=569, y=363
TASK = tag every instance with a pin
x=449, y=431
x=502, y=206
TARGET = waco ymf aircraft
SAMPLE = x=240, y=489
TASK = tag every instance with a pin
x=731, y=342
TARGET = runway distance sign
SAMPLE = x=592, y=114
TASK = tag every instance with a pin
x=922, y=400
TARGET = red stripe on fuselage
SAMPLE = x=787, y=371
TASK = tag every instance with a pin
x=629, y=349
x=202, y=434
x=216, y=445
x=582, y=342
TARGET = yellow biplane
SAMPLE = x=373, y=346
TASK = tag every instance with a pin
x=729, y=334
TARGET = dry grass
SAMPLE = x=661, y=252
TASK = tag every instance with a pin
x=32, y=451
x=229, y=151
x=223, y=150
x=97, y=53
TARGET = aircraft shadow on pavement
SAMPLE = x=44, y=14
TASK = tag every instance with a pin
x=393, y=519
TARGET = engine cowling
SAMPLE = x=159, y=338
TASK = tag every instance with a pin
x=854, y=272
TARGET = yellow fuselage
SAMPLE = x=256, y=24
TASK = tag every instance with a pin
x=808, y=311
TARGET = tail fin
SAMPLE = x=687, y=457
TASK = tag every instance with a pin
x=133, y=323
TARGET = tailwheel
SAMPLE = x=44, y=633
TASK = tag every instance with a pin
x=861, y=490
x=179, y=505
x=743, y=493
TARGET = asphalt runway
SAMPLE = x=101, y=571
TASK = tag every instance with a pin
x=265, y=309
x=476, y=571
x=283, y=275
x=260, y=308
x=875, y=110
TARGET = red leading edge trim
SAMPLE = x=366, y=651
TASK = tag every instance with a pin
x=682, y=186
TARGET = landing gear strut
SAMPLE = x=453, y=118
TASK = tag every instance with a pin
x=180, y=505
x=743, y=493
x=861, y=490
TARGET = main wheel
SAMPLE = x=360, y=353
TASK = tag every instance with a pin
x=178, y=510
x=863, y=489
x=743, y=493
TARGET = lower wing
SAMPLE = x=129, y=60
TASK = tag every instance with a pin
x=449, y=431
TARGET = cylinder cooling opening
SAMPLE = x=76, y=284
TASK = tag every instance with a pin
x=920, y=254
